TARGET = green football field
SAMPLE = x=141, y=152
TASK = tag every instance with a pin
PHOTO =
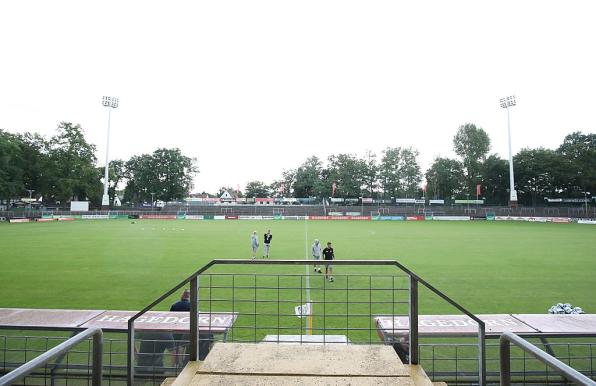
x=488, y=267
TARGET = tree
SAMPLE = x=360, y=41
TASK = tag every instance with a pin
x=72, y=160
x=400, y=172
x=370, y=173
x=140, y=179
x=445, y=178
x=410, y=172
x=174, y=173
x=283, y=186
x=257, y=189
x=579, y=150
x=116, y=174
x=38, y=173
x=11, y=166
x=307, y=179
x=346, y=171
x=536, y=173
x=166, y=173
x=495, y=180
x=472, y=144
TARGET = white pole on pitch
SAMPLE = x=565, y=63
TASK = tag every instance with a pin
x=110, y=103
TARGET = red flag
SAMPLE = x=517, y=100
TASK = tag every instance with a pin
x=478, y=187
x=333, y=187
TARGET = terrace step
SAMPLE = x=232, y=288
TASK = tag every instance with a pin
x=306, y=364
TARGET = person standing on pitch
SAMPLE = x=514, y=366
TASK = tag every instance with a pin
x=266, y=241
x=328, y=255
x=254, y=243
x=316, y=255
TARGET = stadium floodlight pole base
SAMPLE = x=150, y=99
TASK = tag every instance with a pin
x=105, y=201
x=513, y=199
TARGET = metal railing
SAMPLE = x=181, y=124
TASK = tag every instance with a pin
x=505, y=358
x=63, y=348
x=412, y=303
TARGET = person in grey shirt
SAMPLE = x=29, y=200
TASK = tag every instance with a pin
x=316, y=255
x=254, y=243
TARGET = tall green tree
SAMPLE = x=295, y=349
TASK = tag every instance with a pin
x=495, y=180
x=400, y=172
x=38, y=173
x=283, y=186
x=445, y=178
x=536, y=173
x=116, y=175
x=472, y=144
x=370, y=173
x=579, y=151
x=166, y=173
x=307, y=179
x=347, y=172
x=257, y=189
x=11, y=166
x=72, y=160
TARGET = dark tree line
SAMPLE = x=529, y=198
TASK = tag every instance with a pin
x=64, y=168
x=568, y=171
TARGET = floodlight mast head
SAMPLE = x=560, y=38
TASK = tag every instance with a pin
x=508, y=101
x=110, y=102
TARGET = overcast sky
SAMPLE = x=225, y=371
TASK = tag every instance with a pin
x=250, y=88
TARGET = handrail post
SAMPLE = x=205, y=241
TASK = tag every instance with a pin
x=97, y=359
x=413, y=313
x=481, y=354
x=194, y=323
x=130, y=351
x=505, y=358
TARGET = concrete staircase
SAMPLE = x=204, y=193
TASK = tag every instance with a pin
x=306, y=364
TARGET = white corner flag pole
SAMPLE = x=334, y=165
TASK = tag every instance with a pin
x=309, y=316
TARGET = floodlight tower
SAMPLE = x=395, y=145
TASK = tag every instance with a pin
x=110, y=103
x=506, y=103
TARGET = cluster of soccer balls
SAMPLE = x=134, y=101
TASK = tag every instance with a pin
x=565, y=308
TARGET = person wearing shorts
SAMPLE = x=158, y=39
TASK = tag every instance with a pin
x=316, y=255
x=328, y=255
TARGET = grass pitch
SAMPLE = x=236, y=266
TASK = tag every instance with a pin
x=488, y=267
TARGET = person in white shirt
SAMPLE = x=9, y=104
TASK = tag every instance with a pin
x=254, y=243
x=316, y=254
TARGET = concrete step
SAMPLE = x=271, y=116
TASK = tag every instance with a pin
x=168, y=381
x=306, y=364
x=188, y=373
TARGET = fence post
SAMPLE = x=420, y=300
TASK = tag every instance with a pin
x=413, y=321
x=481, y=354
x=194, y=323
x=505, y=358
x=97, y=358
x=130, y=349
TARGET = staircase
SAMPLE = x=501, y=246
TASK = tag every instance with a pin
x=305, y=364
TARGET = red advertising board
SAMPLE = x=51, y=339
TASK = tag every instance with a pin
x=158, y=216
x=231, y=217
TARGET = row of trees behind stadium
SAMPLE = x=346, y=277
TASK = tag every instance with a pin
x=64, y=167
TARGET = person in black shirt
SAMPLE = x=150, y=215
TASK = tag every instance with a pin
x=328, y=255
x=266, y=241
